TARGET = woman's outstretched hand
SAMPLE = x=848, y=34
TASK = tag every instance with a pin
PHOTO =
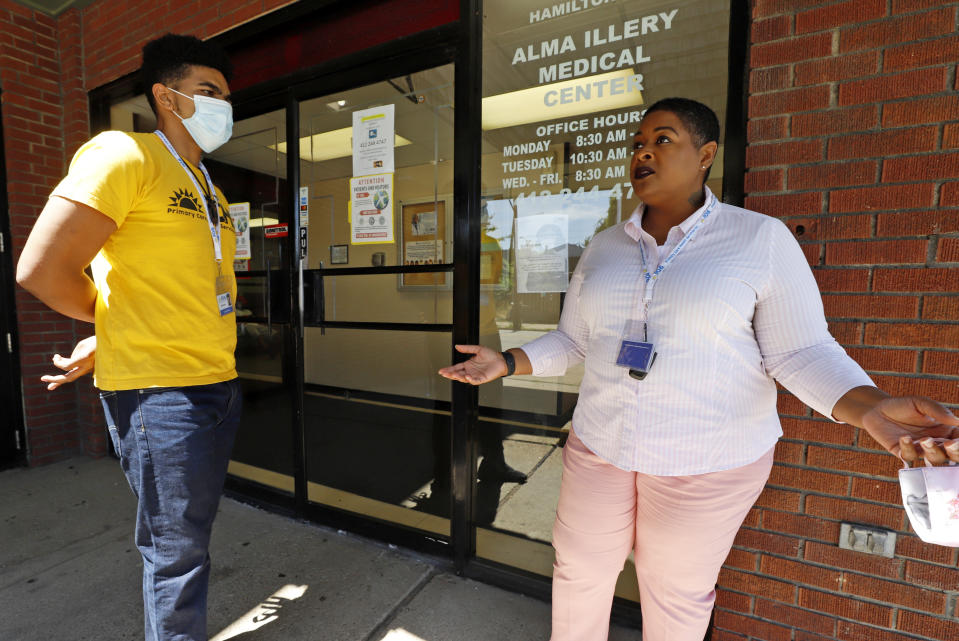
x=898, y=423
x=486, y=365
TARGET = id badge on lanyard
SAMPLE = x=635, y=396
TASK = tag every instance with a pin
x=635, y=351
x=222, y=285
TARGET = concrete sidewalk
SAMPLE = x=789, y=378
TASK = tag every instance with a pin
x=69, y=571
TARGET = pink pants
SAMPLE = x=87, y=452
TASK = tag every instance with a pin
x=683, y=528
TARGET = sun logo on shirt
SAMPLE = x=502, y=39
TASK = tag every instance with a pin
x=184, y=199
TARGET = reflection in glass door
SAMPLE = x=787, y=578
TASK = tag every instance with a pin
x=377, y=181
x=252, y=172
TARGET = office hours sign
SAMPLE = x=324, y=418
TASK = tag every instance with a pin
x=566, y=84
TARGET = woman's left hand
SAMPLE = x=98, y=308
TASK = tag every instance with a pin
x=897, y=423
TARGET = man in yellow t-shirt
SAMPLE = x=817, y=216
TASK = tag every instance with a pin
x=143, y=212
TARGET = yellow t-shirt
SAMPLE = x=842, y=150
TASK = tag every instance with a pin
x=157, y=319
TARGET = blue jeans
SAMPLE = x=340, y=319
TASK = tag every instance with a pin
x=174, y=444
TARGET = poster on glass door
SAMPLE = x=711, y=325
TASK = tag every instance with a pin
x=371, y=207
x=373, y=141
x=240, y=213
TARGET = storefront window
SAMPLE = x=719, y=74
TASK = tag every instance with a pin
x=564, y=87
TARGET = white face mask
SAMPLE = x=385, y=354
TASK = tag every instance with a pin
x=931, y=498
x=211, y=124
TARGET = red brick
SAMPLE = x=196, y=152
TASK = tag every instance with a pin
x=831, y=555
x=857, y=511
x=842, y=280
x=837, y=68
x=845, y=607
x=920, y=111
x=753, y=583
x=874, y=359
x=941, y=51
x=767, y=129
x=797, y=618
x=932, y=576
x=910, y=6
x=725, y=635
x=913, y=386
x=790, y=50
x=851, y=631
x=935, y=166
x=841, y=227
x=919, y=335
x=786, y=204
x=827, y=175
x=775, y=499
x=871, y=306
x=753, y=518
x=807, y=527
x=920, y=82
x=929, y=627
x=844, y=460
x=887, y=32
x=809, y=479
x=802, y=635
x=950, y=136
x=931, y=279
x=882, y=144
x=835, y=121
x=949, y=197
x=884, y=197
x=742, y=560
x=875, y=252
x=754, y=628
x=946, y=363
x=832, y=16
x=771, y=29
x=913, y=547
x=895, y=593
x=751, y=539
x=948, y=250
x=940, y=307
x=733, y=601
x=783, y=153
x=787, y=452
x=813, y=253
x=917, y=223
x=768, y=79
x=760, y=181
x=818, y=430
x=790, y=101
x=801, y=573
x=876, y=489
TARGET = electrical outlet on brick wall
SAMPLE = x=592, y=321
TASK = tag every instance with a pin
x=868, y=539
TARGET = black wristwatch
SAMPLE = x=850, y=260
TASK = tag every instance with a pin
x=510, y=363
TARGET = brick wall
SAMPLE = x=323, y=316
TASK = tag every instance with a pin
x=854, y=142
x=36, y=132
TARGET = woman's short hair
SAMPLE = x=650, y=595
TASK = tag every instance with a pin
x=697, y=118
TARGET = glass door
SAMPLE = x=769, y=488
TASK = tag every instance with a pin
x=376, y=200
x=252, y=170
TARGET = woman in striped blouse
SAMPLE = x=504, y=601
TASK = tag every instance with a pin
x=686, y=315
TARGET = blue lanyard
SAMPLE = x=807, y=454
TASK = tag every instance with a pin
x=214, y=220
x=650, y=278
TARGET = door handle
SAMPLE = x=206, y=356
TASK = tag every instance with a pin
x=269, y=299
